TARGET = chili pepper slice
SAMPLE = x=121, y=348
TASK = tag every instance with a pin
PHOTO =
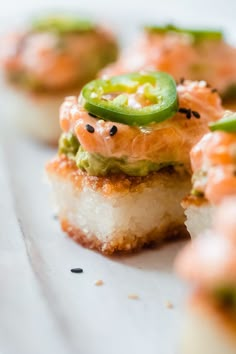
x=62, y=24
x=226, y=124
x=198, y=34
x=133, y=99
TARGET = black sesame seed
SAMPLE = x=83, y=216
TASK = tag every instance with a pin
x=196, y=114
x=92, y=115
x=189, y=114
x=76, y=270
x=234, y=173
x=113, y=130
x=181, y=81
x=183, y=110
x=214, y=90
x=89, y=128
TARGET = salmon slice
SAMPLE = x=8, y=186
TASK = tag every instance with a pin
x=213, y=162
x=168, y=141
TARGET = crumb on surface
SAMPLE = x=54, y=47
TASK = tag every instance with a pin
x=133, y=297
x=99, y=282
x=169, y=305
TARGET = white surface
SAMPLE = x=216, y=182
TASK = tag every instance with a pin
x=45, y=309
x=44, y=306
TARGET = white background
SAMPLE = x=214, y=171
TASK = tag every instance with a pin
x=45, y=309
x=127, y=14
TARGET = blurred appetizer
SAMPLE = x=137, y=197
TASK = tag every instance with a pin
x=214, y=173
x=209, y=262
x=54, y=57
x=123, y=164
x=183, y=53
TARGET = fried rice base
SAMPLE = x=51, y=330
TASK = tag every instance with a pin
x=85, y=201
x=123, y=242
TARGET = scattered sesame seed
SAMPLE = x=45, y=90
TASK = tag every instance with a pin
x=89, y=128
x=70, y=98
x=181, y=81
x=99, y=282
x=202, y=83
x=214, y=90
x=133, y=297
x=196, y=114
x=113, y=130
x=183, y=110
x=92, y=115
x=76, y=270
x=189, y=114
x=169, y=305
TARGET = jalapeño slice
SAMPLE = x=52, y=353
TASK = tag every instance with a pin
x=197, y=34
x=62, y=24
x=133, y=99
x=226, y=124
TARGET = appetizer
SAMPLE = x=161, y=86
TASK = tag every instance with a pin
x=54, y=57
x=214, y=173
x=183, y=53
x=123, y=164
x=209, y=262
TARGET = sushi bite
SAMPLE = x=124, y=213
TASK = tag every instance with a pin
x=52, y=58
x=209, y=263
x=194, y=54
x=214, y=173
x=123, y=162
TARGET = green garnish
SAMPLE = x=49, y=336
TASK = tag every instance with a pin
x=108, y=99
x=197, y=34
x=226, y=124
x=62, y=24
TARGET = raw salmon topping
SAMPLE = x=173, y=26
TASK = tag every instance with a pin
x=48, y=59
x=209, y=261
x=214, y=165
x=165, y=142
x=179, y=55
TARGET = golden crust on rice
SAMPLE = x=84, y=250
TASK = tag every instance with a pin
x=192, y=200
x=114, y=183
x=123, y=242
x=160, y=191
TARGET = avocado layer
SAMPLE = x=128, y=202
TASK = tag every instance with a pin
x=97, y=165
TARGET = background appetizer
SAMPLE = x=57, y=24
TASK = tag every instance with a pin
x=52, y=58
x=123, y=164
x=209, y=262
x=194, y=54
x=214, y=173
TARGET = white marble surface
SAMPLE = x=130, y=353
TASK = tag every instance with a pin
x=44, y=308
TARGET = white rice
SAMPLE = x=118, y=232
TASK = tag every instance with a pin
x=138, y=212
x=198, y=218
